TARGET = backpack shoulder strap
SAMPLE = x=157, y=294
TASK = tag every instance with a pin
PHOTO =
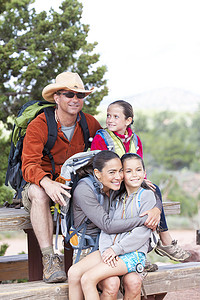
x=85, y=129
x=95, y=187
x=52, y=134
x=52, y=127
x=138, y=199
x=135, y=140
x=107, y=139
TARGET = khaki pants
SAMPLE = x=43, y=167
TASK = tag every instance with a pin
x=25, y=199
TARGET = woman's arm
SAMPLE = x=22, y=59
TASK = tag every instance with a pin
x=85, y=200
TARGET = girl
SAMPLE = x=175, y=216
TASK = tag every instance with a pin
x=119, y=137
x=119, y=253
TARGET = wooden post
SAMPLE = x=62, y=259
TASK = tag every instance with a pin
x=198, y=230
x=68, y=256
x=35, y=268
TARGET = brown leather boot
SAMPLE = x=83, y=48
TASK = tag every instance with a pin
x=53, y=269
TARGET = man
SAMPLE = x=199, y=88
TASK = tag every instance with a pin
x=68, y=93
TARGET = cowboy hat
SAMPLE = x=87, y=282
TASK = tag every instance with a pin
x=67, y=81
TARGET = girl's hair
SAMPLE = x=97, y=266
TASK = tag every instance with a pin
x=127, y=156
x=127, y=108
x=97, y=162
x=130, y=156
x=143, y=185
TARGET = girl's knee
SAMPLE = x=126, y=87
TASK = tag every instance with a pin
x=110, y=286
x=132, y=282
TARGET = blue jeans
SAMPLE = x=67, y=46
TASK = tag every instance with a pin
x=163, y=223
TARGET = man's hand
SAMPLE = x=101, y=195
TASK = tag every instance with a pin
x=153, y=218
x=55, y=190
x=110, y=258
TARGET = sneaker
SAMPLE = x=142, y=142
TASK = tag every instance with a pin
x=172, y=251
x=149, y=267
x=53, y=269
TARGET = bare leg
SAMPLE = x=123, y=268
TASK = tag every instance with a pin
x=165, y=238
x=40, y=215
x=91, y=277
x=110, y=288
x=132, y=286
x=77, y=270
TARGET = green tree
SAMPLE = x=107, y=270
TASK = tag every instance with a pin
x=35, y=48
x=169, y=141
x=195, y=140
x=172, y=191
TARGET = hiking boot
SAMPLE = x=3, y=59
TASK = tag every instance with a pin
x=52, y=269
x=172, y=251
x=149, y=267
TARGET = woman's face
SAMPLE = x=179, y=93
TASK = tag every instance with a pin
x=111, y=175
x=134, y=174
x=116, y=120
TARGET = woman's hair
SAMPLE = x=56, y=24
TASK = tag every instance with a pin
x=97, y=162
x=127, y=108
x=101, y=158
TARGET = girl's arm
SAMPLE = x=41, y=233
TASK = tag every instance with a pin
x=140, y=149
x=138, y=236
x=98, y=143
x=85, y=200
x=132, y=241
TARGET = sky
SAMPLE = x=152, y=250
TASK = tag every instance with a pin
x=145, y=44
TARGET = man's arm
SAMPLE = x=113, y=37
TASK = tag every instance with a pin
x=55, y=190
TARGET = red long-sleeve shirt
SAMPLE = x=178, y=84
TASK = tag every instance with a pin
x=98, y=143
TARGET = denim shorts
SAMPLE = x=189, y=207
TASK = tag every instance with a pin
x=131, y=259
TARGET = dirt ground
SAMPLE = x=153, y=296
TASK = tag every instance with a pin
x=17, y=241
x=186, y=238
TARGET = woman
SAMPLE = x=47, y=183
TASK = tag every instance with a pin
x=109, y=165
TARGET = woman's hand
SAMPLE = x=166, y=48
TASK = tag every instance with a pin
x=153, y=218
x=110, y=258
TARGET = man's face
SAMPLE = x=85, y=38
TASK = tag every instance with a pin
x=69, y=101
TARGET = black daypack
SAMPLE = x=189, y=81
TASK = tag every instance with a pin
x=27, y=113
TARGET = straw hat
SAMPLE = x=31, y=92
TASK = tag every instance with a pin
x=67, y=81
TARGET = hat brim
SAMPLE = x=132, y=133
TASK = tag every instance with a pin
x=52, y=88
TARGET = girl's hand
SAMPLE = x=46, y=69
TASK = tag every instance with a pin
x=110, y=258
x=153, y=218
x=150, y=184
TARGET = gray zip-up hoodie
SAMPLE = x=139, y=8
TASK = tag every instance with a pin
x=85, y=204
x=136, y=239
